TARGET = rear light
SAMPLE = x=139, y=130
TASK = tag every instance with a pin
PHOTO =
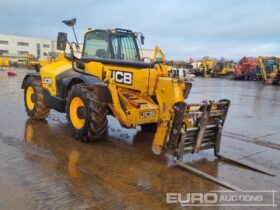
x=134, y=103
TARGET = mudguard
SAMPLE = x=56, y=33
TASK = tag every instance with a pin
x=100, y=89
x=31, y=74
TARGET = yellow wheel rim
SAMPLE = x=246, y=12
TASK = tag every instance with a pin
x=75, y=105
x=29, y=94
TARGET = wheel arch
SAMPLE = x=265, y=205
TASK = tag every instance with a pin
x=70, y=83
x=29, y=75
x=100, y=89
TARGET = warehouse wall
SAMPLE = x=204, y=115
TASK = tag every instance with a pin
x=19, y=45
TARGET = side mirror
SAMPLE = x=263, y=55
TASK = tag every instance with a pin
x=142, y=38
x=71, y=22
x=61, y=41
x=80, y=64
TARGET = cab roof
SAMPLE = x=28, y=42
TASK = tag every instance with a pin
x=115, y=30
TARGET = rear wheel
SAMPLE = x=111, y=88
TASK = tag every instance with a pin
x=37, y=67
x=276, y=82
x=87, y=118
x=33, y=99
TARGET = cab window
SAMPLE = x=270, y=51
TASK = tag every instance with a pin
x=125, y=47
x=96, y=45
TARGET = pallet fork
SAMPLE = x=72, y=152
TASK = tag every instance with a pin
x=208, y=120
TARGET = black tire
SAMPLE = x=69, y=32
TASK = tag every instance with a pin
x=94, y=114
x=275, y=82
x=149, y=127
x=40, y=111
x=37, y=67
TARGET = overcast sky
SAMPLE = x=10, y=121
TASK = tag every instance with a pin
x=182, y=28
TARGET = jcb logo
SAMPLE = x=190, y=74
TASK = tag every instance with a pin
x=47, y=80
x=122, y=77
x=146, y=114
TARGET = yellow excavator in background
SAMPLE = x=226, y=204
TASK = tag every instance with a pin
x=270, y=70
x=208, y=67
x=224, y=68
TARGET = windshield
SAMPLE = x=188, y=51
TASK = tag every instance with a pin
x=125, y=47
x=96, y=45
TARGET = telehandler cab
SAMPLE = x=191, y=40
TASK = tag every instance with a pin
x=110, y=78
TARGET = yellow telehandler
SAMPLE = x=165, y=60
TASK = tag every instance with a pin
x=110, y=78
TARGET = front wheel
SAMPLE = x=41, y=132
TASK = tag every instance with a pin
x=87, y=118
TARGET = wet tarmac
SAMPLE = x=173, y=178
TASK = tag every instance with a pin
x=43, y=167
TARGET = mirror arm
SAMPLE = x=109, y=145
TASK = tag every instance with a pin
x=72, y=58
x=75, y=59
x=77, y=43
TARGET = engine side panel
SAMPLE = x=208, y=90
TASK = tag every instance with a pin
x=50, y=73
x=57, y=79
x=133, y=78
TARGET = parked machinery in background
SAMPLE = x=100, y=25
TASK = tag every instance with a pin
x=181, y=73
x=195, y=67
x=181, y=69
x=34, y=63
x=246, y=69
x=225, y=68
x=208, y=67
x=269, y=69
x=29, y=61
x=4, y=62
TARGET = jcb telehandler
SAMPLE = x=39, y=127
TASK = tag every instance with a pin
x=110, y=78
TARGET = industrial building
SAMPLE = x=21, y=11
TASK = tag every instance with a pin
x=15, y=47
